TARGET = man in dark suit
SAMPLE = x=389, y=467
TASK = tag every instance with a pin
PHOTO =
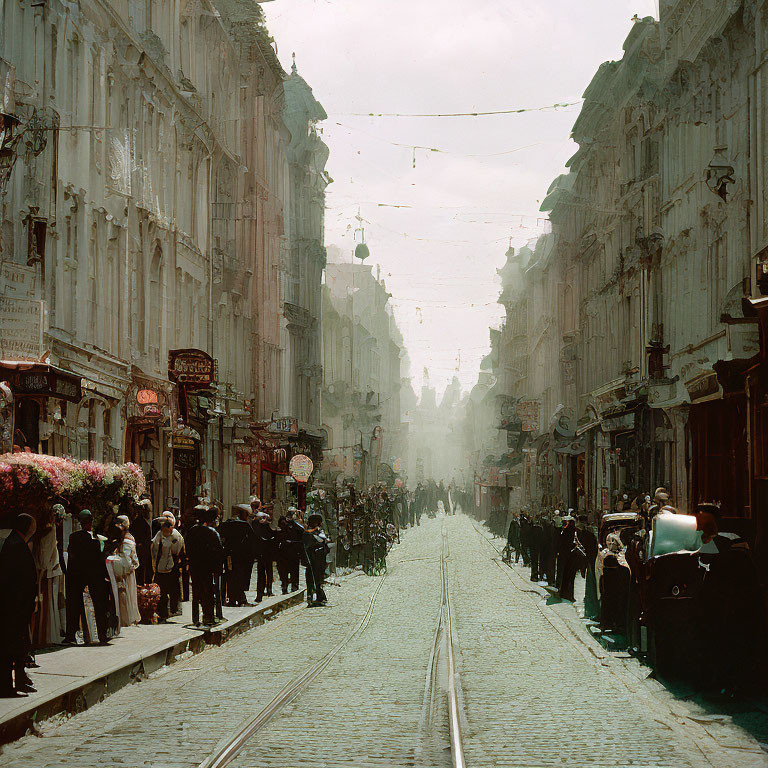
x=239, y=542
x=290, y=548
x=205, y=554
x=266, y=547
x=85, y=568
x=18, y=590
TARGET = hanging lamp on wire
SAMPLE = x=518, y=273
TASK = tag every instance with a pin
x=361, y=249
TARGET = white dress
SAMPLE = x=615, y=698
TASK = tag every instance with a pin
x=128, y=598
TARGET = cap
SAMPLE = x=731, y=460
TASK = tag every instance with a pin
x=255, y=500
x=170, y=516
x=84, y=514
x=261, y=515
x=123, y=521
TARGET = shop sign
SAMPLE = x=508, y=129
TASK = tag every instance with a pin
x=301, y=467
x=45, y=382
x=528, y=411
x=284, y=426
x=191, y=368
x=21, y=328
x=183, y=443
x=148, y=403
x=18, y=280
x=357, y=453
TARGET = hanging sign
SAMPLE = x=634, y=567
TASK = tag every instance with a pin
x=284, y=426
x=148, y=404
x=301, y=467
x=528, y=411
x=192, y=368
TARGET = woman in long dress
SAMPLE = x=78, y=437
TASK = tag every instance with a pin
x=127, y=593
x=48, y=623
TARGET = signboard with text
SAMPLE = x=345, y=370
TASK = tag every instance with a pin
x=21, y=328
x=284, y=426
x=191, y=368
x=528, y=411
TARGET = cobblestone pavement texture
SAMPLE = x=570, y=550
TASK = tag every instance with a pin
x=534, y=694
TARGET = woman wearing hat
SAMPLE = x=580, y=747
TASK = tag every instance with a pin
x=125, y=572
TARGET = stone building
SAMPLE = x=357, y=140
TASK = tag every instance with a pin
x=362, y=379
x=302, y=306
x=649, y=342
x=144, y=175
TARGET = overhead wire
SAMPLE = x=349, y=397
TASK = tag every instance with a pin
x=560, y=105
x=437, y=150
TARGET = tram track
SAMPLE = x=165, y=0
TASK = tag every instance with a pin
x=442, y=677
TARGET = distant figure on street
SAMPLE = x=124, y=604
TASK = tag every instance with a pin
x=240, y=544
x=205, y=553
x=86, y=568
x=18, y=592
x=315, y=551
x=167, y=547
x=289, y=550
x=265, y=553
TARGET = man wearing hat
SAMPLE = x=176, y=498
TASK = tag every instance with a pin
x=85, y=568
x=205, y=553
x=290, y=548
x=265, y=554
x=239, y=542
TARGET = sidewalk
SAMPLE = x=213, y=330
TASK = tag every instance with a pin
x=72, y=678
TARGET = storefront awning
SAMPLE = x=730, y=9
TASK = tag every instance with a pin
x=41, y=380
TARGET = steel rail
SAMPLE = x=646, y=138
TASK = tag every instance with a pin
x=454, y=685
x=228, y=751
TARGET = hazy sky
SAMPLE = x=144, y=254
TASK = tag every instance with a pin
x=439, y=255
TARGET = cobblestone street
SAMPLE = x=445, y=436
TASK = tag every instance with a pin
x=534, y=694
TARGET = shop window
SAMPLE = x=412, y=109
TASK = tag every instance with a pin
x=27, y=424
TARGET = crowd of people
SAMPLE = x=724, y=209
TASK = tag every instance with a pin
x=71, y=584
x=679, y=589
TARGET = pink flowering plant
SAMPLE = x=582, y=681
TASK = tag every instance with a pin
x=33, y=483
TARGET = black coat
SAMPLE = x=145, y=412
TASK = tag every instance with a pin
x=18, y=591
x=315, y=549
x=204, y=549
x=266, y=541
x=290, y=540
x=239, y=540
x=85, y=560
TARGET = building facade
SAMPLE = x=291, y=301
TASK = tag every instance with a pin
x=634, y=328
x=362, y=378
x=144, y=181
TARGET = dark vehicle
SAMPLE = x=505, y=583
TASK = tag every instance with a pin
x=612, y=570
x=703, y=606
